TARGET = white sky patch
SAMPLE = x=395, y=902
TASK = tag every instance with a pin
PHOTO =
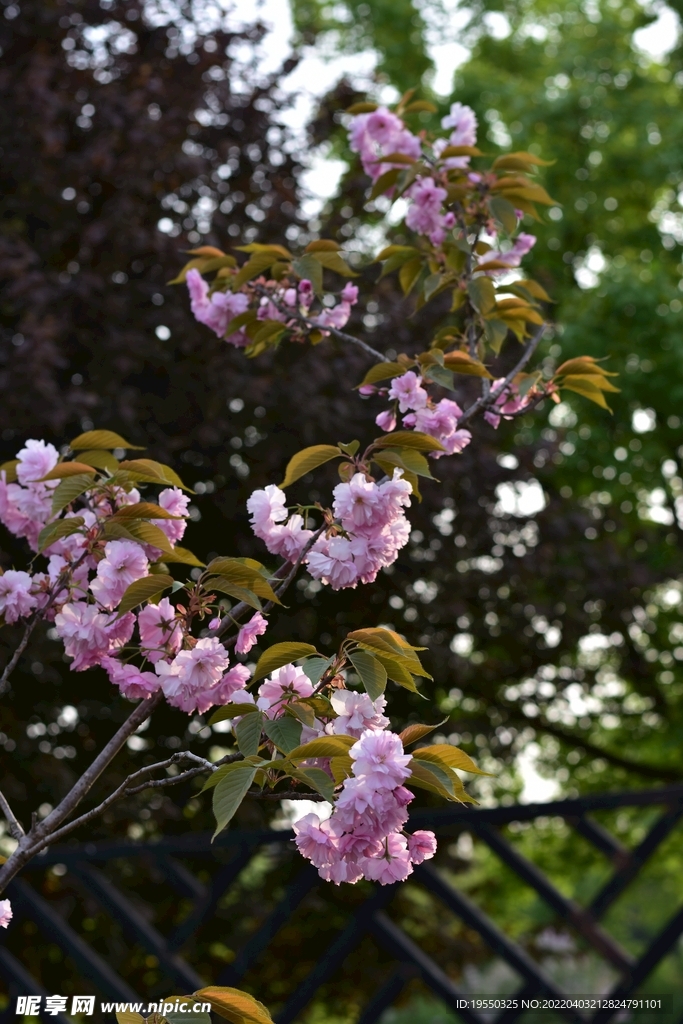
x=644, y=420
x=536, y=788
x=661, y=37
x=521, y=498
x=587, y=271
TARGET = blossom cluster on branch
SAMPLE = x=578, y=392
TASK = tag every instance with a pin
x=107, y=528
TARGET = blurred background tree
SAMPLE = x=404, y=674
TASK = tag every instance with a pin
x=546, y=584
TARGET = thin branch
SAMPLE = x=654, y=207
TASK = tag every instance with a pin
x=489, y=402
x=310, y=323
x=37, y=617
x=13, y=824
x=242, y=606
x=289, y=794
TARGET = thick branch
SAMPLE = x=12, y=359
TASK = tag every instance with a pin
x=40, y=833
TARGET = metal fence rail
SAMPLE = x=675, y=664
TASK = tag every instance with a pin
x=87, y=864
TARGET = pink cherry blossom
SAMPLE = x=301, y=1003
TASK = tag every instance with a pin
x=89, y=635
x=386, y=420
x=133, y=684
x=218, y=310
x=124, y=562
x=5, y=913
x=421, y=846
x=160, y=632
x=357, y=502
x=426, y=215
x=393, y=865
x=231, y=687
x=36, y=459
x=286, y=684
x=16, y=599
x=188, y=680
x=357, y=712
x=315, y=839
x=266, y=507
x=378, y=134
x=522, y=245
x=408, y=391
x=173, y=500
x=248, y=634
x=379, y=758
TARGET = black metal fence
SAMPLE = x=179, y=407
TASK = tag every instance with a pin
x=87, y=864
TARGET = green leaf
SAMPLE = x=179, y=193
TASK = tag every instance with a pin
x=230, y=792
x=316, y=779
x=364, y=107
x=54, y=531
x=248, y=734
x=257, y=264
x=409, y=273
x=101, y=459
x=303, y=712
x=224, y=586
x=127, y=1017
x=398, y=672
x=308, y=459
x=451, y=757
x=417, y=731
x=285, y=732
x=10, y=470
x=495, y=332
x=153, y=472
x=307, y=267
x=189, y=1017
x=326, y=746
x=232, y=711
x=66, y=469
x=382, y=371
x=372, y=673
x=432, y=285
x=406, y=458
x=504, y=212
x=432, y=778
x=234, y=1005
x=587, y=389
x=280, y=654
x=143, y=510
x=184, y=556
x=314, y=668
x=385, y=182
x=410, y=439
x=333, y=261
x=147, y=533
x=239, y=573
x=482, y=294
x=349, y=449
x=102, y=439
x=70, y=489
x=440, y=375
x=268, y=331
x=144, y=590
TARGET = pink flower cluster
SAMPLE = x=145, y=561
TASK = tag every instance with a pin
x=379, y=134
x=370, y=514
x=26, y=506
x=438, y=419
x=463, y=124
x=522, y=245
x=508, y=403
x=426, y=213
x=217, y=310
x=364, y=837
